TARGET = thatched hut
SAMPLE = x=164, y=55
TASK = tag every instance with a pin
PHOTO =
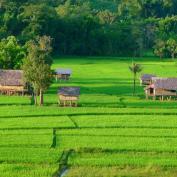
x=11, y=82
x=162, y=87
x=68, y=96
x=62, y=74
x=146, y=79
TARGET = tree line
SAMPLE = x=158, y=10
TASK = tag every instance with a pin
x=89, y=27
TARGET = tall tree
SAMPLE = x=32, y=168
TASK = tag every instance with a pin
x=37, y=66
x=135, y=68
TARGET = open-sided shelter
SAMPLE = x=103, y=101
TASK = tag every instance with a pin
x=68, y=96
x=62, y=74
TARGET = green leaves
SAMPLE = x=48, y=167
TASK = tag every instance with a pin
x=11, y=53
x=37, y=65
x=166, y=48
x=172, y=47
x=135, y=68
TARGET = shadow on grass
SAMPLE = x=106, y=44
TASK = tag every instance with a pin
x=94, y=60
x=115, y=90
x=114, y=86
x=14, y=104
x=89, y=114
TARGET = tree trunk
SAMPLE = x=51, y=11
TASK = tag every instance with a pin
x=32, y=99
x=173, y=55
x=134, y=84
x=161, y=55
x=35, y=98
x=41, y=98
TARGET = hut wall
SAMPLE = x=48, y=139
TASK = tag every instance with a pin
x=14, y=88
x=160, y=92
x=10, y=90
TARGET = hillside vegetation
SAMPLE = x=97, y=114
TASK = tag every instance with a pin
x=94, y=27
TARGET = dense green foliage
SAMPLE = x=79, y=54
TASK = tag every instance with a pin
x=11, y=53
x=37, y=65
x=93, y=27
x=111, y=133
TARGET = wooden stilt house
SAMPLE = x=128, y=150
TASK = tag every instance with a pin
x=162, y=88
x=68, y=96
x=62, y=74
x=146, y=79
x=11, y=82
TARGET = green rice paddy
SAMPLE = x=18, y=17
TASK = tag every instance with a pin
x=110, y=134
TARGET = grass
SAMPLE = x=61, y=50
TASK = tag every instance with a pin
x=118, y=143
x=123, y=158
x=27, y=170
x=122, y=132
x=111, y=133
x=139, y=121
x=25, y=140
x=52, y=111
x=35, y=122
x=39, y=155
x=125, y=171
x=27, y=132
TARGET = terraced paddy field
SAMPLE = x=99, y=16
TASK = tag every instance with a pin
x=110, y=134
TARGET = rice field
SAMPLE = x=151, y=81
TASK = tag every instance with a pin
x=110, y=134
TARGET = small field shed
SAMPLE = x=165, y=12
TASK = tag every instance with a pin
x=62, y=74
x=68, y=96
x=11, y=82
x=162, y=87
x=146, y=79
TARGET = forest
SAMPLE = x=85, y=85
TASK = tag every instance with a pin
x=88, y=27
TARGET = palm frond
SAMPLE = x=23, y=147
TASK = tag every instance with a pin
x=135, y=68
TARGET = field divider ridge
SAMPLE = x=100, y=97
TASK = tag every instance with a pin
x=54, y=139
x=74, y=122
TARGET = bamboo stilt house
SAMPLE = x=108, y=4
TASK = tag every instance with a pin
x=63, y=74
x=11, y=82
x=162, y=88
x=68, y=96
x=146, y=79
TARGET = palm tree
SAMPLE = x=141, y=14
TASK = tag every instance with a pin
x=135, y=68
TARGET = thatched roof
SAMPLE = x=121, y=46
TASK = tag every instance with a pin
x=164, y=83
x=11, y=78
x=69, y=91
x=63, y=71
x=147, y=76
